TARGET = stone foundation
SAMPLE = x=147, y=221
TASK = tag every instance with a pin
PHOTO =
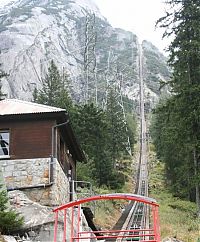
x=33, y=177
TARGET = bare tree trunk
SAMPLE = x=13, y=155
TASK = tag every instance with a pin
x=197, y=184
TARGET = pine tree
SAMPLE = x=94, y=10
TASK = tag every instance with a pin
x=184, y=50
x=51, y=86
x=91, y=128
x=54, y=90
x=116, y=127
x=10, y=221
x=90, y=125
x=172, y=147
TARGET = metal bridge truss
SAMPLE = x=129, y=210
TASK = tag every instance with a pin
x=72, y=227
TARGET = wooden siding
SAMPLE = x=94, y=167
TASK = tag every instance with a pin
x=29, y=139
x=64, y=157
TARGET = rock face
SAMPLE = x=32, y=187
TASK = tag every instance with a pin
x=33, y=32
x=39, y=220
x=34, y=213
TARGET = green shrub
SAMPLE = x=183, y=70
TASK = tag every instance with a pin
x=117, y=180
x=9, y=220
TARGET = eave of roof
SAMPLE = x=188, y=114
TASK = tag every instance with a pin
x=15, y=107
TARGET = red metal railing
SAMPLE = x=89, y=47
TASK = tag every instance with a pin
x=75, y=234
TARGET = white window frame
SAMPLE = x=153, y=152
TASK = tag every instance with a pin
x=7, y=140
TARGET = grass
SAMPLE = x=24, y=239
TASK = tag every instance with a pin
x=107, y=212
x=177, y=217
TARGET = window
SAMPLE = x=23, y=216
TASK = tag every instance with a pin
x=4, y=143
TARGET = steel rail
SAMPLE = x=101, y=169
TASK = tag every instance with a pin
x=137, y=214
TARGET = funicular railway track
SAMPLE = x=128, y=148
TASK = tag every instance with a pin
x=138, y=222
x=136, y=214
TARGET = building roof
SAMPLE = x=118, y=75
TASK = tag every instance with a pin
x=15, y=106
x=14, y=109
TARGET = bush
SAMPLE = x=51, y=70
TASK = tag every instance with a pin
x=117, y=180
x=84, y=171
x=10, y=221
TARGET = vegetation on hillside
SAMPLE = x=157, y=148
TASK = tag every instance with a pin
x=177, y=216
x=54, y=90
x=176, y=124
x=103, y=134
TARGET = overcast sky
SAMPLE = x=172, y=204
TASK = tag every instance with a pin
x=138, y=16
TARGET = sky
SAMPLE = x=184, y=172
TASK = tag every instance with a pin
x=137, y=16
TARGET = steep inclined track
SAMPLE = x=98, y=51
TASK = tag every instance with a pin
x=136, y=215
x=134, y=223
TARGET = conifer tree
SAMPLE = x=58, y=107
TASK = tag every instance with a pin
x=91, y=128
x=116, y=127
x=183, y=107
x=54, y=91
x=10, y=221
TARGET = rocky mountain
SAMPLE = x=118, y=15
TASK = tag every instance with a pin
x=81, y=42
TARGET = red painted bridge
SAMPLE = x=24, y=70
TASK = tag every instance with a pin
x=150, y=234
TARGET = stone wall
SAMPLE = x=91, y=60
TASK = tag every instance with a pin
x=60, y=192
x=25, y=172
x=33, y=176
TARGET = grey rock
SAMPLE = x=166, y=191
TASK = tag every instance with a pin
x=9, y=238
x=34, y=214
x=33, y=32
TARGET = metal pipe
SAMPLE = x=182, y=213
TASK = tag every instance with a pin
x=56, y=226
x=103, y=237
x=79, y=220
x=52, y=148
x=73, y=190
x=154, y=215
x=65, y=226
x=115, y=231
x=51, y=170
x=53, y=136
x=30, y=187
x=72, y=225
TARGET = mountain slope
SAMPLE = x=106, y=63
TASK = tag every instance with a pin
x=34, y=32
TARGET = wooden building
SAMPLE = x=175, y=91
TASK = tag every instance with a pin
x=38, y=150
